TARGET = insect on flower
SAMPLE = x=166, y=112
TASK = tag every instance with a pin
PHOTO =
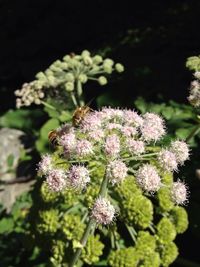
x=80, y=113
x=53, y=137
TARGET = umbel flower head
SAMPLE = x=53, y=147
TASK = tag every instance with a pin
x=116, y=171
x=103, y=211
x=56, y=180
x=112, y=156
x=78, y=177
x=179, y=193
x=148, y=178
x=65, y=74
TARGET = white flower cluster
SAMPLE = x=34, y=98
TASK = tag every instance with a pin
x=116, y=137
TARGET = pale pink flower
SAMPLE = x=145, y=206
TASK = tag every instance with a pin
x=78, y=177
x=111, y=126
x=167, y=160
x=45, y=165
x=68, y=141
x=108, y=114
x=135, y=147
x=129, y=131
x=65, y=128
x=148, y=179
x=103, y=211
x=153, y=127
x=112, y=145
x=179, y=193
x=116, y=171
x=56, y=180
x=181, y=151
x=91, y=122
x=132, y=118
x=97, y=135
x=84, y=148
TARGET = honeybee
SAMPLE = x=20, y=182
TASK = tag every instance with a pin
x=53, y=138
x=79, y=115
x=54, y=135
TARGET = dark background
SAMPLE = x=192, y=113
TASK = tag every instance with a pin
x=151, y=38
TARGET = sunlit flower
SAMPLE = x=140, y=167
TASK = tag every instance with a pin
x=167, y=160
x=112, y=145
x=78, y=177
x=135, y=147
x=56, y=180
x=181, y=150
x=116, y=171
x=179, y=193
x=148, y=179
x=45, y=165
x=103, y=212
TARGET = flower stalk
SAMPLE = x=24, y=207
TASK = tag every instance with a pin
x=91, y=225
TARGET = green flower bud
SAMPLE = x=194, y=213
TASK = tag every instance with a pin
x=68, y=197
x=179, y=219
x=72, y=227
x=167, y=179
x=46, y=194
x=64, y=66
x=48, y=221
x=93, y=250
x=97, y=59
x=52, y=80
x=164, y=199
x=55, y=68
x=69, y=77
x=146, y=243
x=138, y=210
x=109, y=62
x=119, y=67
x=41, y=76
x=57, y=63
x=102, y=80
x=168, y=254
x=152, y=259
x=87, y=60
x=127, y=188
x=82, y=78
x=48, y=72
x=166, y=230
x=66, y=58
x=107, y=68
x=193, y=63
x=85, y=53
x=69, y=86
x=58, y=252
x=125, y=257
x=90, y=195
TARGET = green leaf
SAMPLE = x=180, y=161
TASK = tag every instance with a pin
x=10, y=160
x=183, y=133
x=6, y=225
x=42, y=142
x=20, y=119
x=141, y=104
x=65, y=116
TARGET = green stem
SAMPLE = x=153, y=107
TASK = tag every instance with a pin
x=194, y=132
x=48, y=105
x=131, y=232
x=91, y=224
x=74, y=100
x=80, y=93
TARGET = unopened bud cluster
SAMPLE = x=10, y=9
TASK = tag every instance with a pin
x=194, y=97
x=66, y=74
